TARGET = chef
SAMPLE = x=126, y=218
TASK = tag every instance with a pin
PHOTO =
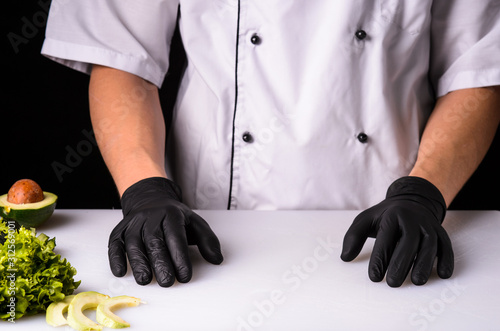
x=386, y=106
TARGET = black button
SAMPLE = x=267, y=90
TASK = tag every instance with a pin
x=247, y=137
x=360, y=34
x=362, y=137
x=255, y=39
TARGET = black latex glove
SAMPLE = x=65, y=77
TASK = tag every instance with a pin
x=408, y=231
x=155, y=233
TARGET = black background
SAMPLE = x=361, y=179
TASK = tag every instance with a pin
x=45, y=122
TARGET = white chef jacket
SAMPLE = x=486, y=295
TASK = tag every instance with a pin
x=298, y=104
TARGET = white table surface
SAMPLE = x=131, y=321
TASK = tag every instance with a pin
x=282, y=271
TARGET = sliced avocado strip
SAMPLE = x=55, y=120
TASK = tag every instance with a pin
x=107, y=318
x=28, y=214
x=82, y=301
x=56, y=310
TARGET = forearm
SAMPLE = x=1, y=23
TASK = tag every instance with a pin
x=456, y=138
x=128, y=124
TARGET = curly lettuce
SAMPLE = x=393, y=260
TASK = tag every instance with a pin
x=32, y=276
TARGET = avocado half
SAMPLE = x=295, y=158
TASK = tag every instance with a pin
x=29, y=214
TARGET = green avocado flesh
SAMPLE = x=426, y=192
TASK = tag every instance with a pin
x=29, y=214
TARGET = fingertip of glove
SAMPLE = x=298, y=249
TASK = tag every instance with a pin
x=445, y=272
x=142, y=274
x=184, y=273
x=164, y=277
x=394, y=282
x=419, y=280
x=346, y=257
x=117, y=267
x=118, y=272
x=212, y=254
x=184, y=278
x=375, y=278
x=166, y=282
x=142, y=279
x=217, y=260
x=215, y=256
x=394, y=285
x=349, y=253
x=351, y=246
x=377, y=275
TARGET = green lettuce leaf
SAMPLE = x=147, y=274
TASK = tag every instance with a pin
x=32, y=276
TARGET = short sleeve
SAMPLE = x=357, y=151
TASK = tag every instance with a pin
x=129, y=35
x=465, y=46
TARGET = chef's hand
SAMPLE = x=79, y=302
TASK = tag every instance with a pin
x=155, y=233
x=408, y=231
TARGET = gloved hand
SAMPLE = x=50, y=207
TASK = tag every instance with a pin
x=408, y=231
x=155, y=233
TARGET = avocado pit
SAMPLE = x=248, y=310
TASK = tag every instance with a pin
x=25, y=191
